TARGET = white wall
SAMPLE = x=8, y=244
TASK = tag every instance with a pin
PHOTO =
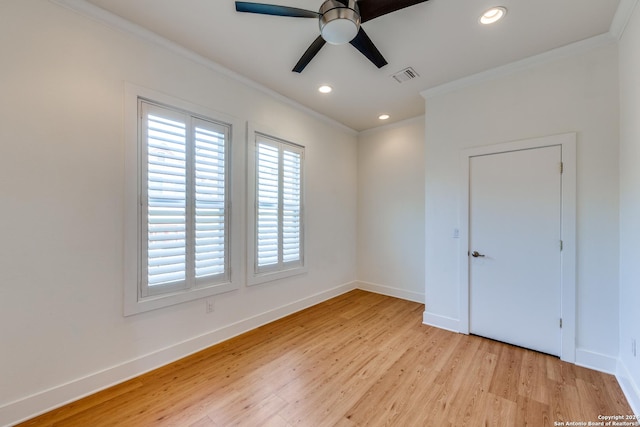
x=391, y=210
x=629, y=52
x=62, y=331
x=576, y=94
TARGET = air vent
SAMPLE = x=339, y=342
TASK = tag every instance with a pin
x=406, y=74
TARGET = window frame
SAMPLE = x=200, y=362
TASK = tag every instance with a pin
x=137, y=299
x=255, y=274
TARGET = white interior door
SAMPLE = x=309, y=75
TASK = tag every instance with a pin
x=514, y=232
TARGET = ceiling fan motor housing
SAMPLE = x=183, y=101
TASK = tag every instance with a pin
x=339, y=23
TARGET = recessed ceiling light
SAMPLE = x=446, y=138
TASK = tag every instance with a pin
x=383, y=116
x=493, y=15
x=325, y=89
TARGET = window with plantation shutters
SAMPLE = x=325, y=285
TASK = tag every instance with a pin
x=277, y=221
x=183, y=200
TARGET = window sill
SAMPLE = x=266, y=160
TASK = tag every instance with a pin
x=257, y=279
x=134, y=305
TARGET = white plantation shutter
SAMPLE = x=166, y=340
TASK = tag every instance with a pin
x=278, y=218
x=210, y=209
x=166, y=199
x=183, y=200
x=291, y=206
x=268, y=226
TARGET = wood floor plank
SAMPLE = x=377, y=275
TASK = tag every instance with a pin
x=499, y=412
x=360, y=359
x=530, y=412
x=506, y=379
x=392, y=394
x=474, y=396
x=534, y=381
x=204, y=422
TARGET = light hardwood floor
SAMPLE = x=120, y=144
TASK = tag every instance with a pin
x=360, y=359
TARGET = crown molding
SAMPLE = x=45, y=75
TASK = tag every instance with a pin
x=100, y=15
x=398, y=124
x=523, y=64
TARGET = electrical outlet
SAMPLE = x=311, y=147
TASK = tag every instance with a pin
x=209, y=304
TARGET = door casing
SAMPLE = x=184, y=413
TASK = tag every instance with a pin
x=567, y=142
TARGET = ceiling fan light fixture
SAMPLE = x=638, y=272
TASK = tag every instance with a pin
x=493, y=15
x=339, y=24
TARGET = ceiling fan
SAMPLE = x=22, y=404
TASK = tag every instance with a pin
x=339, y=22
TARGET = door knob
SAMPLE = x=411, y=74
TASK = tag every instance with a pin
x=476, y=254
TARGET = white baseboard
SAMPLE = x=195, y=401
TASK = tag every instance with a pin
x=629, y=387
x=39, y=403
x=390, y=291
x=442, y=322
x=596, y=361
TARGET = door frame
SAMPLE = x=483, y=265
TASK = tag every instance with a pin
x=567, y=142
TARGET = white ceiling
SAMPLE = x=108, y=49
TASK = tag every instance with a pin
x=441, y=39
